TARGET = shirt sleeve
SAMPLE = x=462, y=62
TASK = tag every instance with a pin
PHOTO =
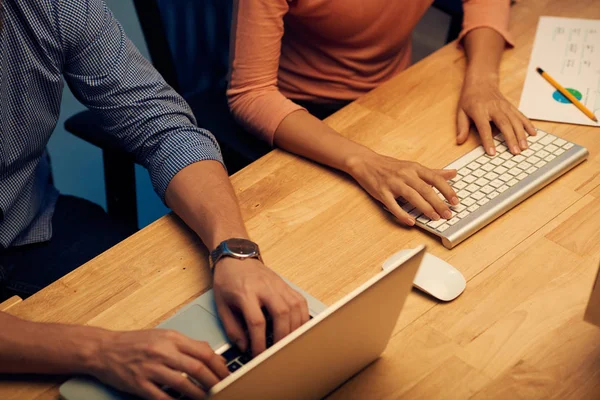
x=253, y=96
x=493, y=14
x=146, y=116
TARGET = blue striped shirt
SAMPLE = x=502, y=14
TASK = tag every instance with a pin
x=44, y=43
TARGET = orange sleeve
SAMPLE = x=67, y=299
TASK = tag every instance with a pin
x=493, y=14
x=253, y=96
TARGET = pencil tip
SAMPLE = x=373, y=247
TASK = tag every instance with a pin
x=539, y=70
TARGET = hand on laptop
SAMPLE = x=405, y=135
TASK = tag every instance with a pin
x=245, y=287
x=140, y=362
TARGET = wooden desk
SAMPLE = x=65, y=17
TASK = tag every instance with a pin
x=516, y=332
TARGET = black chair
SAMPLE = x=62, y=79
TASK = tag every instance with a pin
x=454, y=9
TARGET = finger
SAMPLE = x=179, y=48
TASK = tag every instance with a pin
x=462, y=127
x=529, y=128
x=519, y=130
x=202, y=353
x=438, y=180
x=414, y=197
x=196, y=368
x=233, y=327
x=433, y=199
x=255, y=321
x=177, y=381
x=280, y=314
x=295, y=303
x=391, y=204
x=304, y=311
x=504, y=125
x=447, y=174
x=485, y=133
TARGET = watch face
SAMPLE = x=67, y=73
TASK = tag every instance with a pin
x=242, y=247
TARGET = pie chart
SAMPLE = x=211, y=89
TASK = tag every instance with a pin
x=558, y=96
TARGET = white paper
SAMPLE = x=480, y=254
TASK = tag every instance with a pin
x=568, y=49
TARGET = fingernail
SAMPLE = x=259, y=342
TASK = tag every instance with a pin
x=491, y=151
x=447, y=214
x=455, y=200
x=411, y=221
x=435, y=217
x=241, y=345
x=515, y=150
x=523, y=144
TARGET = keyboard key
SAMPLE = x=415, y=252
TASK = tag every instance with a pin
x=469, y=179
x=474, y=166
x=500, y=170
x=542, y=154
x=512, y=182
x=531, y=170
x=234, y=366
x=509, y=164
x=551, y=149
x=443, y=227
x=501, y=148
x=505, y=156
x=482, y=160
x=502, y=189
x=462, y=194
x=550, y=157
x=245, y=358
x=473, y=207
x=453, y=221
x=467, y=202
x=536, y=147
x=491, y=176
x=527, y=152
x=436, y=224
x=478, y=195
x=458, y=208
x=568, y=146
x=496, y=183
x=514, y=171
x=463, y=171
x=481, y=182
x=483, y=201
x=559, y=142
x=505, y=177
x=559, y=152
x=487, y=189
x=408, y=207
x=488, y=167
x=493, y=195
x=463, y=214
x=541, y=164
x=497, y=161
x=459, y=185
x=524, y=165
x=546, y=140
x=518, y=158
x=423, y=219
x=415, y=213
x=522, y=176
x=479, y=173
x=540, y=134
x=533, y=160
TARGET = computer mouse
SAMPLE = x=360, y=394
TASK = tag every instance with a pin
x=435, y=276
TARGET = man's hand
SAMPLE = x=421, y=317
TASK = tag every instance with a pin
x=386, y=179
x=244, y=287
x=140, y=362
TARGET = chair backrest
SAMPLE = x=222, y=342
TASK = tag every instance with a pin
x=188, y=41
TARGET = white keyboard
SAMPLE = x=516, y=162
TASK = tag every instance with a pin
x=490, y=186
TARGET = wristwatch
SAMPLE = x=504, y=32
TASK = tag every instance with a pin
x=236, y=248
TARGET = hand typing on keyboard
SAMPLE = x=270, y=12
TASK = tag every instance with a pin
x=387, y=179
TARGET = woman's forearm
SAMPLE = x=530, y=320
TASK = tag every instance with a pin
x=303, y=134
x=484, y=48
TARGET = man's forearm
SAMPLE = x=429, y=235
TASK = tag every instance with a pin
x=202, y=195
x=484, y=48
x=36, y=348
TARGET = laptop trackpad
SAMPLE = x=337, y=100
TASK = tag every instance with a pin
x=198, y=324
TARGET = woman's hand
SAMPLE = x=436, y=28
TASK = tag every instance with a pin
x=481, y=103
x=387, y=178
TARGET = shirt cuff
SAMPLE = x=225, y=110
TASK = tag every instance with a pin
x=178, y=150
x=503, y=32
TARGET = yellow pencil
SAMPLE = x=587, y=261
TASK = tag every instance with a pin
x=567, y=94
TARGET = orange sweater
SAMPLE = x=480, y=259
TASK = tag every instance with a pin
x=325, y=51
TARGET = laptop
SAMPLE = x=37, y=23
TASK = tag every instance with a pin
x=335, y=344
